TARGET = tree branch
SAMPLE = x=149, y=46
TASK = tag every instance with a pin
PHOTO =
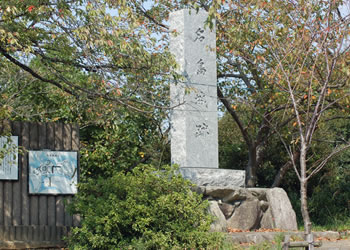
x=33, y=73
x=144, y=12
x=234, y=116
x=91, y=94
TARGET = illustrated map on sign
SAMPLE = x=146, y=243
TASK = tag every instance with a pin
x=9, y=161
x=53, y=172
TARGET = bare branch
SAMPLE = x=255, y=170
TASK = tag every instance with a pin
x=322, y=163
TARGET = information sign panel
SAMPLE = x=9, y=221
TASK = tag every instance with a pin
x=53, y=172
x=9, y=161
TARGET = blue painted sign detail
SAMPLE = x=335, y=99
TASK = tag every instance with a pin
x=53, y=172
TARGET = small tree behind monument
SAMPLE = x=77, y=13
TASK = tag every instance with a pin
x=312, y=73
x=299, y=55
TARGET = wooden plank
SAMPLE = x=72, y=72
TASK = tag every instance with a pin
x=76, y=146
x=53, y=233
x=51, y=202
x=24, y=175
x=75, y=137
x=59, y=198
x=41, y=233
x=19, y=233
x=2, y=232
x=59, y=136
x=8, y=203
x=43, y=220
x=25, y=233
x=67, y=145
x=34, y=199
x=16, y=185
x=1, y=203
x=30, y=233
x=67, y=137
x=6, y=232
x=12, y=233
x=68, y=217
x=59, y=211
x=36, y=233
x=59, y=233
x=46, y=233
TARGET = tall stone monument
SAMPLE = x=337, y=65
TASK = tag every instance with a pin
x=194, y=118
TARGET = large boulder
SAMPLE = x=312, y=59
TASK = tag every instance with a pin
x=220, y=224
x=227, y=209
x=280, y=213
x=238, y=194
x=246, y=216
x=218, y=192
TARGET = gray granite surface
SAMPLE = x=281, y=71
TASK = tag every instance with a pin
x=214, y=177
x=194, y=120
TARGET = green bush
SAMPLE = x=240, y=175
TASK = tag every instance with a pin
x=142, y=209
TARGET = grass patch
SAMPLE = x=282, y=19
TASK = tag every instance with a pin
x=336, y=224
x=266, y=245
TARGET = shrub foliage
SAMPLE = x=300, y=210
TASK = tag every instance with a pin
x=142, y=209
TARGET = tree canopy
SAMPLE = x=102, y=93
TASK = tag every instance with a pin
x=89, y=49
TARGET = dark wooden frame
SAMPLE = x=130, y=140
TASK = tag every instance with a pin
x=36, y=218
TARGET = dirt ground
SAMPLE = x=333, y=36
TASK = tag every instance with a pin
x=335, y=245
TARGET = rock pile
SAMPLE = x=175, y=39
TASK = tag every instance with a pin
x=249, y=208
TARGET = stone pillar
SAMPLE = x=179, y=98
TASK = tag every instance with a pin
x=194, y=120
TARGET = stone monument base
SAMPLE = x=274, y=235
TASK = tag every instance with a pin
x=236, y=207
x=249, y=208
x=214, y=176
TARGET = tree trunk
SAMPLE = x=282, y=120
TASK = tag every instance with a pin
x=251, y=177
x=303, y=190
x=283, y=170
x=304, y=208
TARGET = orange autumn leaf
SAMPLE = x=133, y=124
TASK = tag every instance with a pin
x=30, y=8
